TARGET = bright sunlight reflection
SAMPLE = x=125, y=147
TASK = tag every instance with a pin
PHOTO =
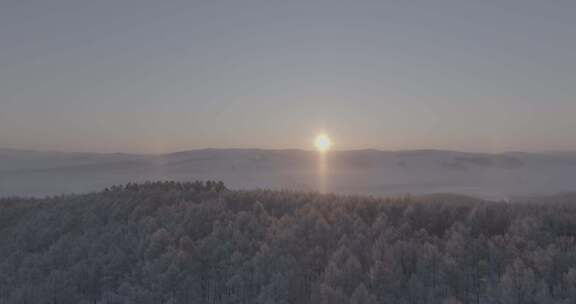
x=323, y=143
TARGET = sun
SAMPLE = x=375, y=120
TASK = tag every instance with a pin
x=323, y=143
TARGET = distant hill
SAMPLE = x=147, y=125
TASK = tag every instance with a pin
x=493, y=176
x=197, y=243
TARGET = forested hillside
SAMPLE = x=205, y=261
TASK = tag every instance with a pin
x=200, y=243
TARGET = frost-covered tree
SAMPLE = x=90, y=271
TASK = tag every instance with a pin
x=199, y=243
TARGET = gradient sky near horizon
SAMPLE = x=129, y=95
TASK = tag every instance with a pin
x=159, y=76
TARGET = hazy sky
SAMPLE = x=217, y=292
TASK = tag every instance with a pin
x=154, y=76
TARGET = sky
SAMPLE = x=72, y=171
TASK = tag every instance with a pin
x=160, y=76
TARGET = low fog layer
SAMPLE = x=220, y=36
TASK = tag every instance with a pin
x=493, y=176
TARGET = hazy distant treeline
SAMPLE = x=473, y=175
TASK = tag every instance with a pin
x=200, y=243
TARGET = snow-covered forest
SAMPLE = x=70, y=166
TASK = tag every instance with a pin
x=197, y=242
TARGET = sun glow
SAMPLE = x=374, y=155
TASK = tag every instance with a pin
x=323, y=143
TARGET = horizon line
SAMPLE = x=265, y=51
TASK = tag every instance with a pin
x=289, y=149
